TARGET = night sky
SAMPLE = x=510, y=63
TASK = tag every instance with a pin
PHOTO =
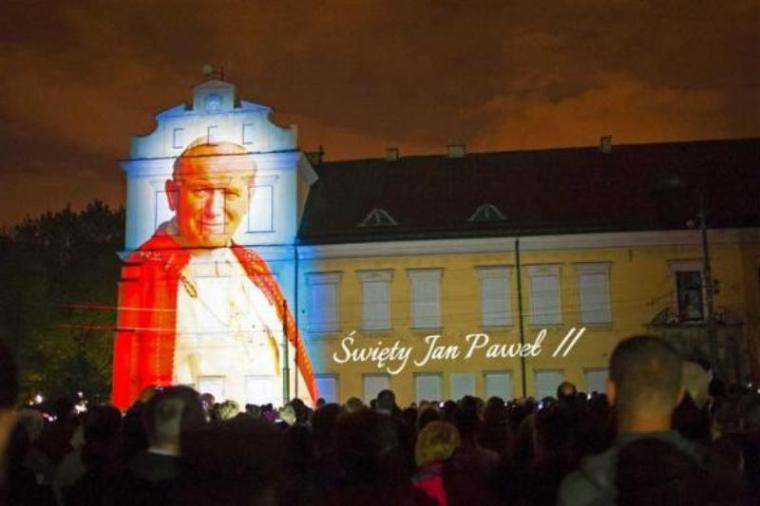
x=79, y=78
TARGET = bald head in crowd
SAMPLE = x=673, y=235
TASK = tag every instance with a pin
x=646, y=383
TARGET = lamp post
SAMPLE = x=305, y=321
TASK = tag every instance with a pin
x=712, y=334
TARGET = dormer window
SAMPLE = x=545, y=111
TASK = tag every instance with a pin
x=213, y=103
x=378, y=218
x=487, y=213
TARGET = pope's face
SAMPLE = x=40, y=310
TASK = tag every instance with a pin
x=210, y=200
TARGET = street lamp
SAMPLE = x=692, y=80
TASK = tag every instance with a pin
x=669, y=183
x=712, y=334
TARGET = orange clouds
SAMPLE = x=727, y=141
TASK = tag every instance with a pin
x=628, y=109
x=80, y=79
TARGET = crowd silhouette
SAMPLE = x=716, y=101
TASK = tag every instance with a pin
x=661, y=434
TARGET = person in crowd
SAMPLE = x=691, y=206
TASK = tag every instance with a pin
x=35, y=459
x=386, y=403
x=299, y=460
x=86, y=475
x=8, y=393
x=353, y=404
x=426, y=415
x=554, y=454
x=739, y=449
x=696, y=383
x=596, y=426
x=287, y=417
x=231, y=463
x=56, y=438
x=566, y=391
x=372, y=464
x=302, y=411
x=228, y=410
x=253, y=411
x=653, y=472
x=208, y=400
x=471, y=454
x=22, y=488
x=494, y=434
x=167, y=415
x=309, y=484
x=134, y=436
x=435, y=443
x=409, y=417
x=18, y=486
x=645, y=386
x=150, y=477
x=472, y=473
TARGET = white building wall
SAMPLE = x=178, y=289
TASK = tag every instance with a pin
x=273, y=148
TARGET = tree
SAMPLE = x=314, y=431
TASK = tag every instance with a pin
x=58, y=299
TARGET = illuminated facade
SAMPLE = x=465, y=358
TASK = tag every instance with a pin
x=487, y=273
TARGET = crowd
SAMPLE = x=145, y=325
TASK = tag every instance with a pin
x=661, y=434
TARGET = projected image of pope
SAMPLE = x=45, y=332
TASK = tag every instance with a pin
x=194, y=306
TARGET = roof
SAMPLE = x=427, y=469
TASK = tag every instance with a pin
x=553, y=191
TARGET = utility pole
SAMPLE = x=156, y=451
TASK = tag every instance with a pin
x=286, y=357
x=521, y=321
x=712, y=330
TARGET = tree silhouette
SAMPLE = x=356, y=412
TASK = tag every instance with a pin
x=58, y=299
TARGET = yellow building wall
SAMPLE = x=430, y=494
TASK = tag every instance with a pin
x=641, y=285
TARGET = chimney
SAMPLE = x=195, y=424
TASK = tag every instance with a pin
x=457, y=150
x=315, y=157
x=605, y=144
x=391, y=155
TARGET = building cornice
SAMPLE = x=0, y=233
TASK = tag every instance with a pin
x=605, y=240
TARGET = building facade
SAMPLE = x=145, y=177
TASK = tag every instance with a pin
x=481, y=273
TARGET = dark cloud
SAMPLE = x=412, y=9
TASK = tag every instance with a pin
x=80, y=77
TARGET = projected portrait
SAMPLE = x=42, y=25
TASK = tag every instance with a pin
x=195, y=306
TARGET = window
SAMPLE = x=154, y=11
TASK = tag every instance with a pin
x=547, y=382
x=596, y=380
x=374, y=384
x=462, y=383
x=495, y=303
x=427, y=387
x=327, y=384
x=260, y=214
x=323, y=301
x=426, y=298
x=213, y=134
x=544, y=295
x=261, y=389
x=499, y=384
x=487, y=213
x=690, y=303
x=247, y=134
x=689, y=295
x=377, y=218
x=178, y=138
x=376, y=310
x=213, y=385
x=594, y=292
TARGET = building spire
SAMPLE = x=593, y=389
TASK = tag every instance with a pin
x=210, y=72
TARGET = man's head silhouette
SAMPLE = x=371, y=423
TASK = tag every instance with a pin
x=645, y=384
